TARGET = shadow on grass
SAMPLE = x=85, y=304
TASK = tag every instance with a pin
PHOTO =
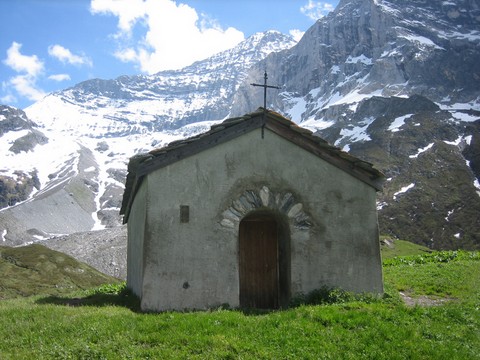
x=124, y=298
x=258, y=312
x=119, y=295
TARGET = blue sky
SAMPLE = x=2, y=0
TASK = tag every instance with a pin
x=49, y=45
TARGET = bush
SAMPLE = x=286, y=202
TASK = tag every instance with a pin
x=110, y=289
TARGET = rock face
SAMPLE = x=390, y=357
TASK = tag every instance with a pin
x=18, y=134
x=377, y=48
x=395, y=83
x=432, y=195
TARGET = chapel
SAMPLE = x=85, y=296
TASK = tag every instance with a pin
x=251, y=213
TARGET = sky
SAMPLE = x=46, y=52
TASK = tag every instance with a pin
x=50, y=45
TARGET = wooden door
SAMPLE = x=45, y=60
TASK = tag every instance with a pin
x=258, y=263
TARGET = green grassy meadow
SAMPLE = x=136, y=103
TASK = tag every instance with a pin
x=105, y=322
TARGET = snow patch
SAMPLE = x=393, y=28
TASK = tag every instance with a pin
x=386, y=8
x=381, y=205
x=472, y=105
x=335, y=69
x=447, y=218
x=111, y=209
x=314, y=92
x=403, y=190
x=477, y=186
x=468, y=139
x=316, y=125
x=353, y=97
x=422, y=41
x=422, y=150
x=461, y=116
x=4, y=233
x=362, y=59
x=299, y=106
x=389, y=53
x=398, y=123
x=357, y=133
x=472, y=36
x=460, y=139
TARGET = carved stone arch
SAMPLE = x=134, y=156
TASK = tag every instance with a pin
x=264, y=220
x=264, y=198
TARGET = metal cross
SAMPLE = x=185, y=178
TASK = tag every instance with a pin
x=265, y=86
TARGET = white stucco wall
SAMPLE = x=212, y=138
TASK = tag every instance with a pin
x=195, y=264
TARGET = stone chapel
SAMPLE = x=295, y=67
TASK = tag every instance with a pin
x=251, y=214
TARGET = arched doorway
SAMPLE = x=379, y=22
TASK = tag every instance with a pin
x=263, y=262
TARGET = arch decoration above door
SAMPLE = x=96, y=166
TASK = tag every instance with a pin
x=264, y=198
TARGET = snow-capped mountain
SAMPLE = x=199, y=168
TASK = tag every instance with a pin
x=393, y=82
x=382, y=48
x=74, y=178
x=167, y=100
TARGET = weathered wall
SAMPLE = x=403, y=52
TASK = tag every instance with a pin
x=195, y=264
x=136, y=234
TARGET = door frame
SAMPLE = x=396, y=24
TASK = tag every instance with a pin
x=282, y=296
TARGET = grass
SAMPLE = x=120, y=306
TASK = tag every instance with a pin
x=36, y=269
x=395, y=247
x=104, y=322
x=444, y=274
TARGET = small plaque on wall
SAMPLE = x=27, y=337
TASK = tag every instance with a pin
x=184, y=213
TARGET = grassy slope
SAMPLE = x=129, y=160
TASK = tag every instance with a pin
x=393, y=247
x=36, y=269
x=108, y=326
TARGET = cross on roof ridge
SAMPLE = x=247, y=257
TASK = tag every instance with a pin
x=265, y=86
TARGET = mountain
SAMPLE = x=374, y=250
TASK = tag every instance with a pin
x=168, y=100
x=382, y=48
x=392, y=82
x=75, y=180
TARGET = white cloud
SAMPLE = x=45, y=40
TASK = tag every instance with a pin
x=316, y=9
x=31, y=66
x=59, y=77
x=126, y=55
x=128, y=12
x=66, y=56
x=26, y=86
x=175, y=35
x=8, y=99
x=296, y=34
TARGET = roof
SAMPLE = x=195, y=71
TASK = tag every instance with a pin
x=141, y=165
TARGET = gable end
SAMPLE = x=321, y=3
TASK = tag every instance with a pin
x=141, y=165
